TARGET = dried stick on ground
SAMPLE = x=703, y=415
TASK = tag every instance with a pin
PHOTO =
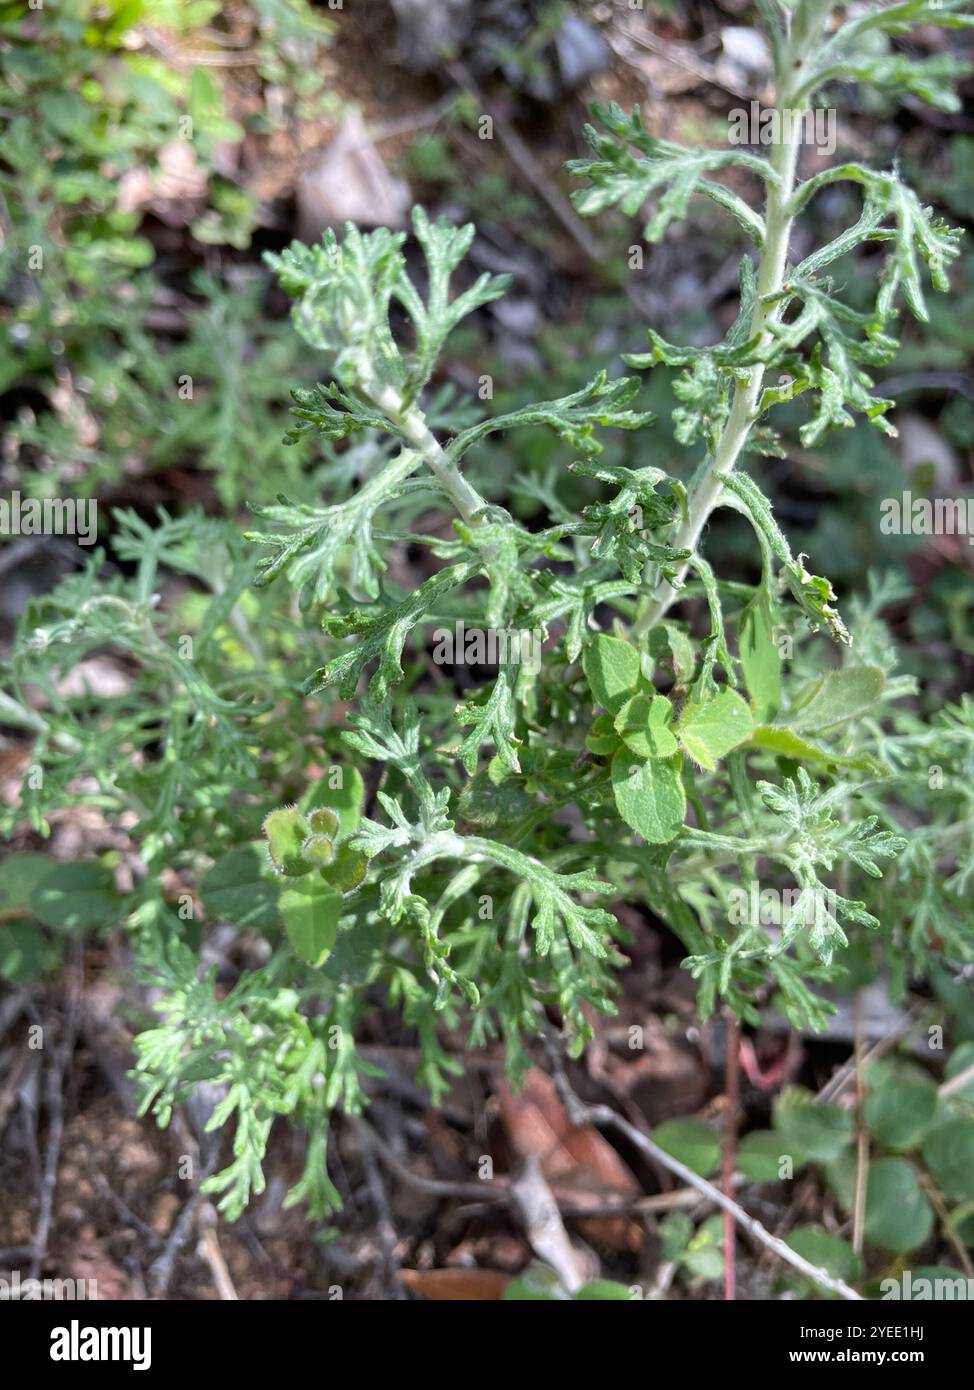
x=161, y=1270
x=210, y=1252
x=840, y=1079
x=498, y=1189
x=385, y=1226
x=54, y=1102
x=543, y=1224
x=602, y=1116
x=529, y=168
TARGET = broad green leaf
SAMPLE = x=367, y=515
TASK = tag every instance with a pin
x=347, y=870
x=840, y=1174
x=286, y=830
x=709, y=730
x=692, y=1142
x=484, y=803
x=604, y=1289
x=19, y=876
x=649, y=795
x=760, y=658
x=603, y=740
x=787, y=744
x=961, y=1059
x=948, y=1152
x=75, y=897
x=341, y=790
x=310, y=909
x=643, y=724
x=899, y=1112
x=836, y=697
x=237, y=890
x=760, y=1155
x=704, y=1255
x=20, y=952
x=537, y=1284
x=358, y=945
x=707, y=1264
x=611, y=667
x=898, y=1216
x=816, y=1130
x=670, y=646
x=826, y=1251
x=675, y=1234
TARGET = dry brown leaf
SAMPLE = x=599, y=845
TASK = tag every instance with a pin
x=456, y=1285
x=574, y=1159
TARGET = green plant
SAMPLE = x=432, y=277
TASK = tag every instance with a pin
x=621, y=752
x=917, y=1170
x=94, y=105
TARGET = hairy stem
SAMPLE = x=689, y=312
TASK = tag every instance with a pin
x=412, y=422
x=779, y=219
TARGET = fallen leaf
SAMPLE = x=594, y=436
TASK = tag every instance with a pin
x=576, y=1160
x=456, y=1285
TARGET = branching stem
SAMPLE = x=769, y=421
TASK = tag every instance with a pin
x=779, y=219
x=412, y=422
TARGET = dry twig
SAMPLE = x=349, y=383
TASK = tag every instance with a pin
x=602, y=1116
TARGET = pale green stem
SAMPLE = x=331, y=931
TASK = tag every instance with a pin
x=411, y=421
x=744, y=408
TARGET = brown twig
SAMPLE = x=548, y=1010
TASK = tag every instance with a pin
x=499, y=1188
x=9, y=1092
x=161, y=1270
x=385, y=1227
x=123, y=1210
x=543, y=1226
x=946, y=1226
x=54, y=1102
x=679, y=56
x=840, y=1079
x=209, y=1251
x=530, y=170
x=602, y=1116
